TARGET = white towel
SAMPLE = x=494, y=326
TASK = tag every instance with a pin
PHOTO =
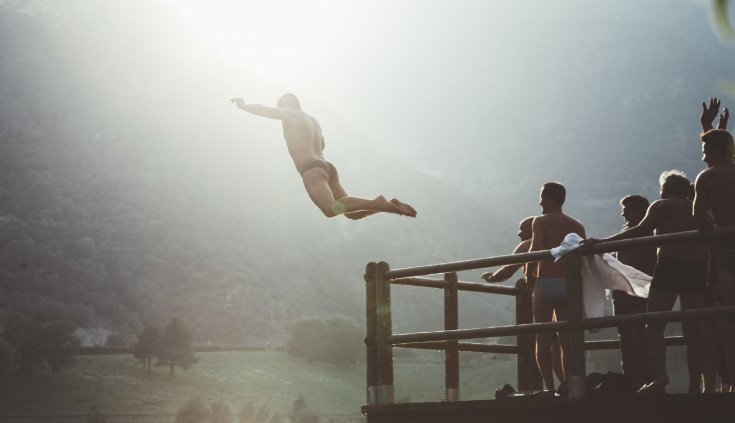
x=600, y=272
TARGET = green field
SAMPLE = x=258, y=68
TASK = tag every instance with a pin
x=117, y=384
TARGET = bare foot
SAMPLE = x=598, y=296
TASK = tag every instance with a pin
x=405, y=208
x=386, y=206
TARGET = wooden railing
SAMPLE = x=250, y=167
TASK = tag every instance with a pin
x=380, y=339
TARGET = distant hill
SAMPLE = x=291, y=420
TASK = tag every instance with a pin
x=131, y=194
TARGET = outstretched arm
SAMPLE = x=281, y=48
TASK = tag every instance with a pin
x=645, y=227
x=505, y=272
x=265, y=111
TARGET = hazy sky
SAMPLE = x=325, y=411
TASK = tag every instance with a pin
x=494, y=97
x=448, y=85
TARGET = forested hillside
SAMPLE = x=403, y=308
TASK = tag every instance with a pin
x=131, y=191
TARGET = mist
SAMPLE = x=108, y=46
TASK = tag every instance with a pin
x=121, y=116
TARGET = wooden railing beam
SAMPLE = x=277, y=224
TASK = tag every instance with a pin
x=603, y=247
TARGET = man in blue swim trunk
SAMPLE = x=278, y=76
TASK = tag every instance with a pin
x=548, y=278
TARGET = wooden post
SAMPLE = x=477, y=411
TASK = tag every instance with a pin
x=371, y=326
x=451, y=353
x=384, y=330
x=529, y=378
x=577, y=373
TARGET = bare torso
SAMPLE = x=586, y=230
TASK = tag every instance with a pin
x=675, y=215
x=304, y=139
x=554, y=227
x=718, y=185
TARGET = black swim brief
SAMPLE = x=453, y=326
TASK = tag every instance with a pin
x=679, y=276
x=323, y=164
x=726, y=254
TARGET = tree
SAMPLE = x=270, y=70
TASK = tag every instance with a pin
x=220, y=413
x=308, y=339
x=344, y=340
x=250, y=414
x=58, y=345
x=37, y=341
x=300, y=412
x=149, y=341
x=176, y=348
x=194, y=411
x=337, y=339
x=26, y=335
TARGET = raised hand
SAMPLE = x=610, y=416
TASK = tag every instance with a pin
x=724, y=116
x=709, y=113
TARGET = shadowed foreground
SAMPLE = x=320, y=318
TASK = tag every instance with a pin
x=670, y=408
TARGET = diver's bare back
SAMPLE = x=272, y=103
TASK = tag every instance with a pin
x=304, y=139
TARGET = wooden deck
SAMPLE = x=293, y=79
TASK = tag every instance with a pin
x=671, y=408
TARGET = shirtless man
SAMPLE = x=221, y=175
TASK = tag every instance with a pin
x=305, y=144
x=505, y=272
x=715, y=196
x=548, y=278
x=681, y=270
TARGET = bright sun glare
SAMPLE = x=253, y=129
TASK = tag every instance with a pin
x=273, y=38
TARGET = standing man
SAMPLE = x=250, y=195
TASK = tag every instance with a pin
x=635, y=360
x=715, y=195
x=548, y=278
x=305, y=144
x=681, y=270
x=505, y=272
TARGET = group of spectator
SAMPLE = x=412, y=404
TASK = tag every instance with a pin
x=697, y=274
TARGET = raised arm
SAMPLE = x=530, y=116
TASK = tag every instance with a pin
x=724, y=117
x=709, y=113
x=266, y=111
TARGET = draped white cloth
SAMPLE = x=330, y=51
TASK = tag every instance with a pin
x=600, y=272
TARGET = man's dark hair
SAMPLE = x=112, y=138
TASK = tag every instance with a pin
x=718, y=139
x=676, y=182
x=635, y=201
x=555, y=191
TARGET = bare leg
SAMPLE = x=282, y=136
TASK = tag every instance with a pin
x=557, y=358
x=658, y=301
x=542, y=312
x=317, y=186
x=711, y=358
x=563, y=338
x=695, y=345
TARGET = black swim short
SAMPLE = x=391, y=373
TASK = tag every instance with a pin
x=323, y=164
x=680, y=276
x=726, y=254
